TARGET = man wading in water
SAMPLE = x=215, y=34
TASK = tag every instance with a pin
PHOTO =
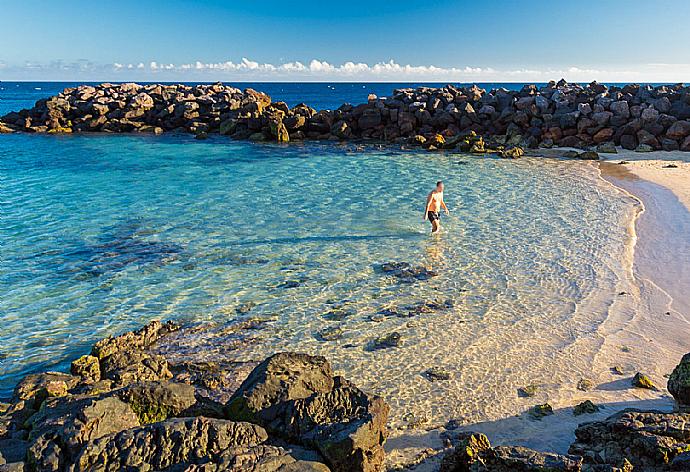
x=434, y=202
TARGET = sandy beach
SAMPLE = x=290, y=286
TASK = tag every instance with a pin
x=647, y=329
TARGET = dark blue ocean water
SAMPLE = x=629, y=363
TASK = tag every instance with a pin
x=320, y=95
x=17, y=95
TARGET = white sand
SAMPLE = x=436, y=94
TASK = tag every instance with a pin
x=652, y=166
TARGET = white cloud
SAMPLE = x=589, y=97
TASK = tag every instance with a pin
x=318, y=69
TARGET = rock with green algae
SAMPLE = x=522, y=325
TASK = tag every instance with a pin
x=228, y=126
x=640, y=380
x=512, y=152
x=386, y=341
x=586, y=407
x=585, y=385
x=34, y=389
x=679, y=384
x=588, y=156
x=158, y=401
x=538, y=412
x=649, y=440
x=472, y=452
x=87, y=367
x=528, y=391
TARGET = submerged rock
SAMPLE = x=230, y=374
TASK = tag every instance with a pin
x=386, y=341
x=585, y=385
x=437, y=373
x=528, y=391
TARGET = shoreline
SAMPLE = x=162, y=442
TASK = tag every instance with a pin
x=644, y=321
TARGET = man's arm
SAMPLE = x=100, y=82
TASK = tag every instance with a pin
x=443, y=204
x=428, y=203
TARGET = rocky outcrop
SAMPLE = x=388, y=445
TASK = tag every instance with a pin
x=556, y=114
x=679, y=384
x=119, y=412
x=649, y=440
x=473, y=452
x=296, y=397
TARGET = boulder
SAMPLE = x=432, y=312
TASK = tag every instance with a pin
x=34, y=389
x=296, y=397
x=628, y=142
x=369, y=119
x=620, y=108
x=679, y=130
x=679, y=384
x=158, y=401
x=280, y=378
x=63, y=425
x=603, y=135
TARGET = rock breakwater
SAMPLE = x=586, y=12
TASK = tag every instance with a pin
x=471, y=119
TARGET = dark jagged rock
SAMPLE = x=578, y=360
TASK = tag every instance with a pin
x=63, y=425
x=473, y=452
x=139, y=339
x=650, y=440
x=158, y=446
x=297, y=397
x=468, y=118
x=280, y=378
x=87, y=367
x=586, y=407
x=679, y=384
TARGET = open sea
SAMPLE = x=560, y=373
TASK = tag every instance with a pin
x=103, y=233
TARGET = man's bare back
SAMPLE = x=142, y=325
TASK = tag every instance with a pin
x=434, y=203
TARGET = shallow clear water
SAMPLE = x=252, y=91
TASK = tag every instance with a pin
x=102, y=233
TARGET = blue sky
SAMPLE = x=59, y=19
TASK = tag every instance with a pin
x=501, y=40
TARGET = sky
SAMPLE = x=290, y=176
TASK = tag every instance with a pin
x=354, y=40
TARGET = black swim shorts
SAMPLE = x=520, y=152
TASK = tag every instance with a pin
x=433, y=215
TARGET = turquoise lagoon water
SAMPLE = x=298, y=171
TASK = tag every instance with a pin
x=103, y=233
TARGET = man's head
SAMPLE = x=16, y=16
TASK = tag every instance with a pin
x=439, y=186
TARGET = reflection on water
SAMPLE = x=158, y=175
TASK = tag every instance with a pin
x=510, y=293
